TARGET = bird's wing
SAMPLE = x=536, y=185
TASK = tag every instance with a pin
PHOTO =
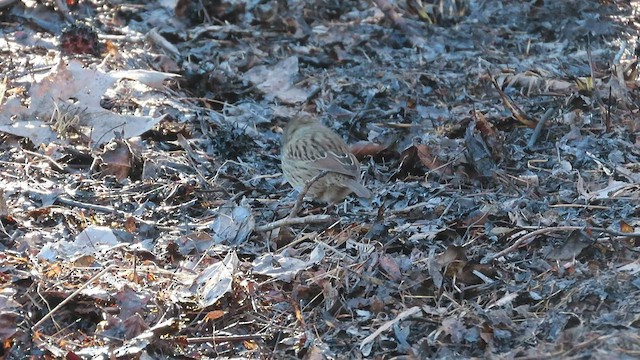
x=343, y=163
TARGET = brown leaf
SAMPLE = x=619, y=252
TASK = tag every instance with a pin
x=315, y=353
x=377, y=305
x=479, y=154
x=134, y=326
x=213, y=315
x=410, y=163
x=453, y=253
x=130, y=301
x=625, y=228
x=476, y=218
x=429, y=157
x=117, y=160
x=72, y=356
x=366, y=148
x=467, y=275
x=390, y=267
x=250, y=345
x=130, y=224
x=8, y=322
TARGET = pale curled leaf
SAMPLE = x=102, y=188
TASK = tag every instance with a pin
x=93, y=239
x=612, y=190
x=216, y=280
x=284, y=267
x=278, y=81
x=233, y=225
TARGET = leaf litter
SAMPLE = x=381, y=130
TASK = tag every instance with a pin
x=143, y=213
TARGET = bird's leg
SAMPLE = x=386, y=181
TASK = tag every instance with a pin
x=331, y=209
x=296, y=207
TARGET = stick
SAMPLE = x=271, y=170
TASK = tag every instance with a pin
x=537, y=232
x=539, y=126
x=311, y=219
x=64, y=11
x=74, y=294
x=57, y=166
x=99, y=208
x=227, y=338
x=296, y=207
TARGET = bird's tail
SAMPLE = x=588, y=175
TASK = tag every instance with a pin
x=359, y=189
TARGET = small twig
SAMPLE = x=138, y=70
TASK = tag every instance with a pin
x=539, y=126
x=366, y=105
x=526, y=237
x=64, y=11
x=302, y=238
x=292, y=218
x=110, y=210
x=592, y=86
x=73, y=295
x=50, y=160
x=537, y=232
x=99, y=208
x=94, y=207
x=409, y=208
x=311, y=219
x=581, y=206
x=596, y=229
x=128, y=38
x=340, y=254
x=296, y=207
x=182, y=141
x=607, y=118
x=389, y=325
x=219, y=339
x=516, y=111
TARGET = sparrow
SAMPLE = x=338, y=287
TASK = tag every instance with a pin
x=309, y=148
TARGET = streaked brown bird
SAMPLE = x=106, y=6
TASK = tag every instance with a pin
x=308, y=148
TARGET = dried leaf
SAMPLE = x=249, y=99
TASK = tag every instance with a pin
x=479, y=154
x=117, y=160
x=362, y=149
x=390, y=267
x=284, y=267
x=86, y=87
x=93, y=239
x=233, y=225
x=214, y=315
x=279, y=81
x=216, y=280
